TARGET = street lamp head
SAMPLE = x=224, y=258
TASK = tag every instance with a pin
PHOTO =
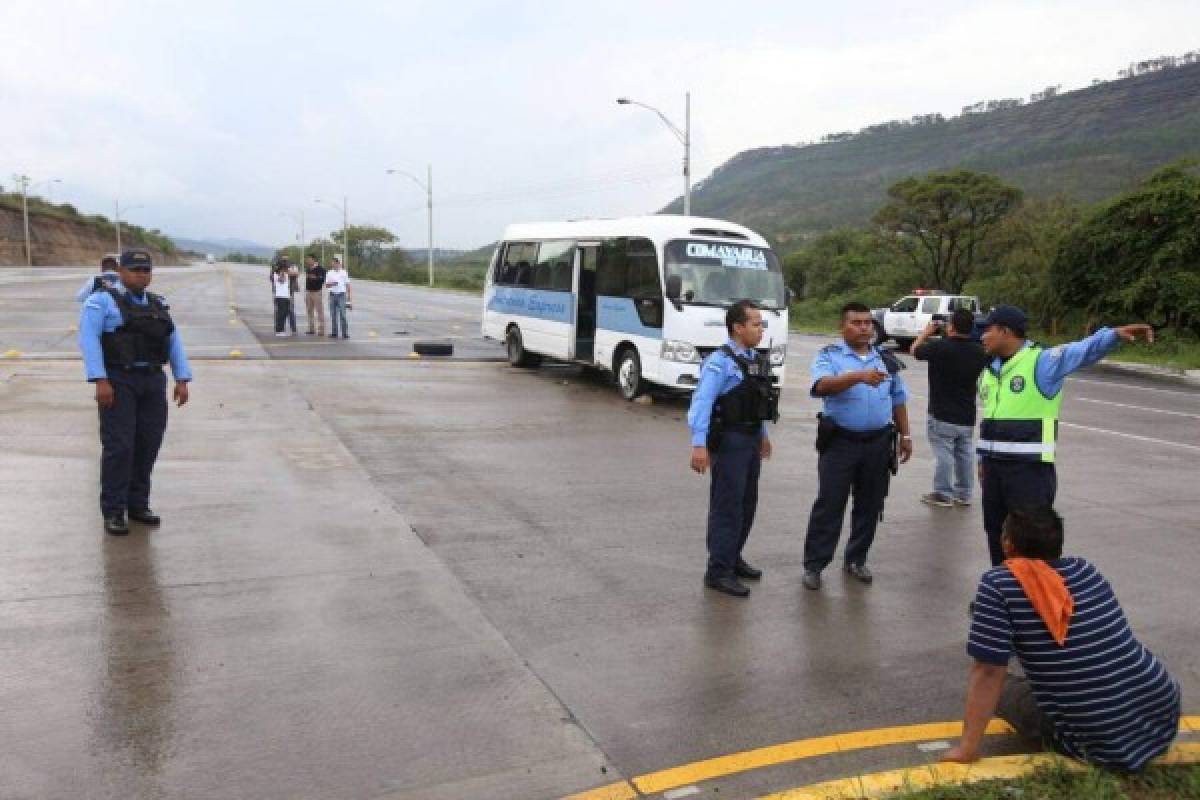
x=623, y=101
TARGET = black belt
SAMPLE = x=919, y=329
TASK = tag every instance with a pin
x=863, y=436
x=147, y=368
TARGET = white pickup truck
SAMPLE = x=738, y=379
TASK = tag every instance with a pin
x=909, y=315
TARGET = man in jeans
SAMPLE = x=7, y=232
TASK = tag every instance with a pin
x=337, y=281
x=955, y=362
x=314, y=289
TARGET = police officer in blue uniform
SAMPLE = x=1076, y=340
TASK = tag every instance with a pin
x=731, y=405
x=864, y=408
x=107, y=279
x=126, y=335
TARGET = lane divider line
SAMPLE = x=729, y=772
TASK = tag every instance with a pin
x=1128, y=435
x=1138, y=408
x=880, y=784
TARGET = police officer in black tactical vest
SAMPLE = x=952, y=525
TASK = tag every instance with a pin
x=733, y=401
x=126, y=335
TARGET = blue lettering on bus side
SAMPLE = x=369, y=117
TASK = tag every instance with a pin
x=553, y=306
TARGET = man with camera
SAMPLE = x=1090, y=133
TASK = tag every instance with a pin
x=955, y=362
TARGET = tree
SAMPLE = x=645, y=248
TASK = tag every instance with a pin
x=1018, y=262
x=1139, y=255
x=941, y=221
x=366, y=242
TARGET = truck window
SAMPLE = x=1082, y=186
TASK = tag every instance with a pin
x=905, y=305
x=930, y=305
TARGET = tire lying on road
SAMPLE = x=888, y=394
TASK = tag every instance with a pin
x=433, y=348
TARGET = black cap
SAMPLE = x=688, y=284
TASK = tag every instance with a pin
x=136, y=258
x=1010, y=317
x=108, y=261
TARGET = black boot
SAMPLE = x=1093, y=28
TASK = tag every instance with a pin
x=144, y=516
x=115, y=524
x=726, y=584
x=746, y=572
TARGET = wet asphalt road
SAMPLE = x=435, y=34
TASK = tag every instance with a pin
x=438, y=579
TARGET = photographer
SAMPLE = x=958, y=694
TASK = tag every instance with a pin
x=955, y=362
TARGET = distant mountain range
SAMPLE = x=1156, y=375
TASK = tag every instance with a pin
x=1088, y=144
x=222, y=247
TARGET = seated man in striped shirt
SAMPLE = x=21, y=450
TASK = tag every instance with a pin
x=1091, y=691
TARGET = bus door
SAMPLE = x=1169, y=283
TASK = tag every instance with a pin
x=585, y=291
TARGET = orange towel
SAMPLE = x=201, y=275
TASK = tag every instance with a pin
x=1047, y=592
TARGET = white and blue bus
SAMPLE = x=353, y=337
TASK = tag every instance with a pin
x=642, y=297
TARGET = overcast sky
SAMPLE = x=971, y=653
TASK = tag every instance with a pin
x=222, y=118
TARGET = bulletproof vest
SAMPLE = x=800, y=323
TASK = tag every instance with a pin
x=752, y=401
x=144, y=336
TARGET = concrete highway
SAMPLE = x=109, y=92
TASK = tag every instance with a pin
x=385, y=577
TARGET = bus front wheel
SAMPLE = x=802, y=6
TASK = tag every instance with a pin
x=518, y=356
x=630, y=382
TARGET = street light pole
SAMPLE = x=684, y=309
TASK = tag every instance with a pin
x=685, y=138
x=117, y=214
x=427, y=185
x=23, y=182
x=345, y=209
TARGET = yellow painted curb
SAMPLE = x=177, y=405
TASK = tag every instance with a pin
x=235, y=353
x=12, y=354
x=372, y=334
x=414, y=355
x=881, y=784
x=721, y=766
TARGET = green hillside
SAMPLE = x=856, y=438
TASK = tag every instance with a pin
x=1087, y=144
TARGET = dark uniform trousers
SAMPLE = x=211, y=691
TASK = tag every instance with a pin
x=130, y=435
x=732, y=499
x=1011, y=484
x=851, y=464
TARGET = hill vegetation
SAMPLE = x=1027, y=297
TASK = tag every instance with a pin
x=1085, y=145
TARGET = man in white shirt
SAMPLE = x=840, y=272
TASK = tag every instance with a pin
x=337, y=281
x=283, y=299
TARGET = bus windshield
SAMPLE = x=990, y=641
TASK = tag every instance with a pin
x=721, y=273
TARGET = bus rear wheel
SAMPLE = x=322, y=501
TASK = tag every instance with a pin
x=630, y=382
x=518, y=356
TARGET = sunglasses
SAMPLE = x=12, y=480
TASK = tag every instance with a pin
x=140, y=269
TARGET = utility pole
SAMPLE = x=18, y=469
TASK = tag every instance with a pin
x=345, y=233
x=117, y=219
x=23, y=182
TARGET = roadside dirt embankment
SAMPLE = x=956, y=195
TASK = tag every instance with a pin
x=63, y=242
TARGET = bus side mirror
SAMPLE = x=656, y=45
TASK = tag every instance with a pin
x=674, y=287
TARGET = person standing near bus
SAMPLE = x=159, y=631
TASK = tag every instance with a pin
x=731, y=405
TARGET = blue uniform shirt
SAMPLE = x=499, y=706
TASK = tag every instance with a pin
x=1056, y=363
x=110, y=277
x=719, y=374
x=861, y=407
x=100, y=315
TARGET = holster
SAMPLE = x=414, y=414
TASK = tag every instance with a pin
x=826, y=431
x=713, y=443
x=894, y=451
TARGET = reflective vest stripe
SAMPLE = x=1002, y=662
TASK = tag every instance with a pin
x=1016, y=448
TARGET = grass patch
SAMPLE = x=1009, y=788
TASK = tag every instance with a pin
x=1058, y=783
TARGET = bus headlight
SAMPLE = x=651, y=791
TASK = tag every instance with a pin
x=682, y=352
x=778, y=354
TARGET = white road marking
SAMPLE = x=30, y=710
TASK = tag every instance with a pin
x=1138, y=408
x=682, y=791
x=933, y=747
x=1130, y=436
x=1184, y=392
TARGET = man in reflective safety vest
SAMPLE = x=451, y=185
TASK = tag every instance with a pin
x=1021, y=394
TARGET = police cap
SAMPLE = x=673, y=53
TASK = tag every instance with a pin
x=136, y=258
